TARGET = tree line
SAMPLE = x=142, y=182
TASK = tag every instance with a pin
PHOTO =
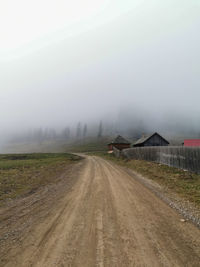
x=51, y=134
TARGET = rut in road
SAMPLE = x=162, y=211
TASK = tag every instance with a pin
x=110, y=219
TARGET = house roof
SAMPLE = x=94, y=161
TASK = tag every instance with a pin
x=120, y=140
x=144, y=138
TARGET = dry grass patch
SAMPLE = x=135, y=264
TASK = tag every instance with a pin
x=22, y=174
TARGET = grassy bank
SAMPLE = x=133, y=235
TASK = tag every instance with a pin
x=183, y=183
x=21, y=174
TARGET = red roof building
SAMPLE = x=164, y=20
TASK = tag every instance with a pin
x=192, y=142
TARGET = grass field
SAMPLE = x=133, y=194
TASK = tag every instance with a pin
x=24, y=173
x=59, y=146
x=89, y=145
x=184, y=183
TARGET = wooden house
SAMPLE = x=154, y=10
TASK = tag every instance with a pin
x=151, y=140
x=119, y=143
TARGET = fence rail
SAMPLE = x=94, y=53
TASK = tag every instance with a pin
x=116, y=152
x=187, y=158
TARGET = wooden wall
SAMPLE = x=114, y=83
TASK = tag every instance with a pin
x=156, y=140
x=187, y=158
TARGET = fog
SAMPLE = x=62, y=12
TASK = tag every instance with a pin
x=126, y=63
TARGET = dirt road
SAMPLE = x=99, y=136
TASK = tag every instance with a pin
x=108, y=219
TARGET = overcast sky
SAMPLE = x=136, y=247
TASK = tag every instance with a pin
x=63, y=61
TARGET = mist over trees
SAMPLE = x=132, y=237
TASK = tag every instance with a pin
x=66, y=133
x=85, y=131
x=100, y=131
x=132, y=123
x=61, y=77
x=78, y=131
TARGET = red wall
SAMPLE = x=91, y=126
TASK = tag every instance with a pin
x=118, y=146
x=110, y=147
x=192, y=142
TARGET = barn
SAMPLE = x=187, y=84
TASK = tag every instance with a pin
x=151, y=140
x=119, y=143
x=192, y=142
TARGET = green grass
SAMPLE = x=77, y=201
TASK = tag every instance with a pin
x=183, y=183
x=60, y=146
x=24, y=173
x=13, y=161
x=89, y=145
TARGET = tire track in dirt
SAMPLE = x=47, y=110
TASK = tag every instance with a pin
x=163, y=233
x=109, y=219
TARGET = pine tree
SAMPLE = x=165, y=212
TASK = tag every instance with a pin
x=100, y=131
x=66, y=133
x=78, y=131
x=85, y=131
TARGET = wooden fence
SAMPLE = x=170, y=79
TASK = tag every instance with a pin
x=116, y=152
x=187, y=158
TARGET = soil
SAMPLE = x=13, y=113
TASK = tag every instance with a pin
x=96, y=215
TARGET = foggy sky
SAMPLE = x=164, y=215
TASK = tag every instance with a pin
x=68, y=61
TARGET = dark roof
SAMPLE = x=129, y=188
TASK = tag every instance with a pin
x=120, y=140
x=144, y=138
